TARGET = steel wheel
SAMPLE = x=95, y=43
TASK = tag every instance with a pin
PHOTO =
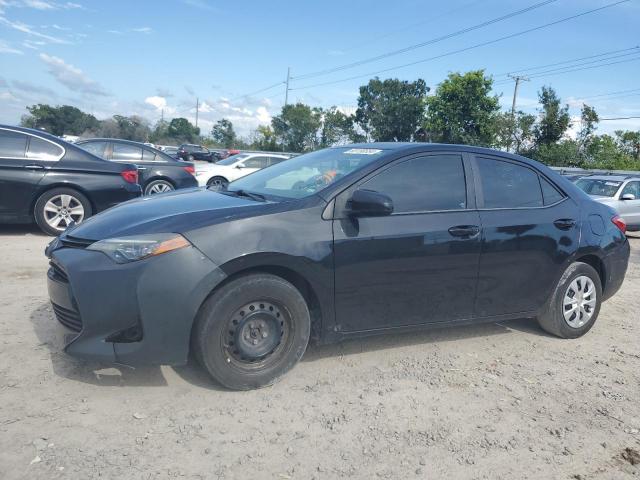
x=158, y=186
x=61, y=210
x=579, y=301
x=255, y=334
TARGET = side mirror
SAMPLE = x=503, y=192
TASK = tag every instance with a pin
x=369, y=203
x=628, y=196
x=240, y=165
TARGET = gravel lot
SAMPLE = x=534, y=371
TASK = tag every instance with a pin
x=481, y=402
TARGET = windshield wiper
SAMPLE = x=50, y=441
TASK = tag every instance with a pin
x=243, y=193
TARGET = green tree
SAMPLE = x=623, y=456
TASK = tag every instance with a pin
x=181, y=130
x=264, y=138
x=463, y=110
x=297, y=127
x=391, y=110
x=554, y=118
x=337, y=128
x=588, y=125
x=515, y=131
x=223, y=133
x=629, y=142
x=59, y=120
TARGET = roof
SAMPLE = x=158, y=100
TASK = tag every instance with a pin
x=613, y=178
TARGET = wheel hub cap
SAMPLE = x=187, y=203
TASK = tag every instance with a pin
x=61, y=210
x=579, y=302
x=255, y=331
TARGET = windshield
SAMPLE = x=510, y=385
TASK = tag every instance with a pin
x=601, y=188
x=307, y=174
x=232, y=159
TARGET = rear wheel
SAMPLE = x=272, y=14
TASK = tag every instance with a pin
x=190, y=158
x=57, y=208
x=158, y=186
x=575, y=303
x=252, y=331
x=218, y=183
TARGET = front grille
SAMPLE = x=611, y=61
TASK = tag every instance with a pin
x=74, y=242
x=69, y=318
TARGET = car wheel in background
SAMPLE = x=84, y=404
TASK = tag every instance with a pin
x=218, y=183
x=158, y=186
x=57, y=208
x=252, y=331
x=575, y=303
x=190, y=158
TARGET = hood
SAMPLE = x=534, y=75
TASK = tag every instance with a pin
x=177, y=212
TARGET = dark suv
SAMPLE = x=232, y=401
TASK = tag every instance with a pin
x=55, y=183
x=191, y=152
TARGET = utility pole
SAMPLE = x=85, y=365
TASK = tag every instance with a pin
x=162, y=116
x=517, y=79
x=197, y=107
x=286, y=92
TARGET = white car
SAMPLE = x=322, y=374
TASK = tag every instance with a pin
x=219, y=174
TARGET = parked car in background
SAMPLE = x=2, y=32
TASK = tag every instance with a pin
x=622, y=192
x=189, y=153
x=158, y=172
x=373, y=238
x=219, y=174
x=55, y=183
x=171, y=151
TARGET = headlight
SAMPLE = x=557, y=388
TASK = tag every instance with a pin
x=131, y=249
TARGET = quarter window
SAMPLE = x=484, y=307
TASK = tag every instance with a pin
x=550, y=194
x=433, y=182
x=148, y=155
x=12, y=144
x=508, y=185
x=40, y=149
x=128, y=153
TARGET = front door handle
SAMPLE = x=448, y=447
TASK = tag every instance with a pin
x=34, y=167
x=565, y=223
x=468, y=231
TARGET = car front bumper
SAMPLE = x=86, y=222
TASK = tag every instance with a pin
x=103, y=302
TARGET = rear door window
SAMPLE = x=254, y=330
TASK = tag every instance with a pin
x=508, y=185
x=126, y=153
x=12, y=144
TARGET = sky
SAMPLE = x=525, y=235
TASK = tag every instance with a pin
x=157, y=57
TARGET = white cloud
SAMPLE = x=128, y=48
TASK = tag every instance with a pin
x=145, y=30
x=156, y=101
x=72, y=77
x=201, y=4
x=29, y=30
x=6, y=48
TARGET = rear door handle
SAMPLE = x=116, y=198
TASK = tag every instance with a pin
x=564, y=223
x=34, y=167
x=468, y=231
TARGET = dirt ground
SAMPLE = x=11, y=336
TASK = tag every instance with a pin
x=500, y=401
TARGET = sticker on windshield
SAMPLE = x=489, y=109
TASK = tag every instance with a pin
x=362, y=151
x=612, y=184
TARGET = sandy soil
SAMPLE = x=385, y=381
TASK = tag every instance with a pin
x=501, y=401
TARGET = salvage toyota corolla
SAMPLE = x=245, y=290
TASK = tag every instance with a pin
x=335, y=244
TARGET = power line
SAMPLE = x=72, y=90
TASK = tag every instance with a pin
x=423, y=44
x=610, y=93
x=618, y=118
x=520, y=70
x=257, y=91
x=571, y=68
x=460, y=50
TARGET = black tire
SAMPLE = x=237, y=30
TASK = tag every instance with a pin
x=41, y=216
x=190, y=158
x=224, y=331
x=552, y=318
x=151, y=187
x=219, y=183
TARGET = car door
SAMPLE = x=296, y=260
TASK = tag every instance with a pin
x=252, y=164
x=24, y=160
x=529, y=230
x=418, y=265
x=629, y=210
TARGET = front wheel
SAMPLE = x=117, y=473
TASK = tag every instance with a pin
x=252, y=331
x=57, y=208
x=218, y=183
x=575, y=303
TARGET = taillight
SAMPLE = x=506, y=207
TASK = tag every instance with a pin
x=620, y=223
x=130, y=176
x=190, y=170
